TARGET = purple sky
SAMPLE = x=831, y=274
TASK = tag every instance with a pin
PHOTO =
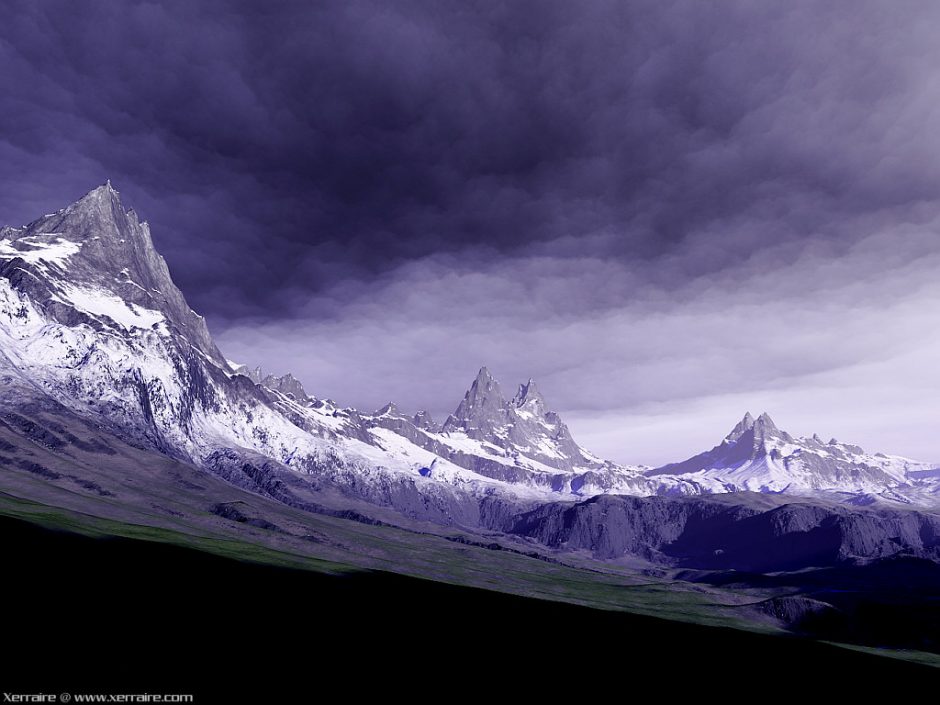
x=667, y=213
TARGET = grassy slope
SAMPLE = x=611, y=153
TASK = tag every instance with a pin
x=145, y=486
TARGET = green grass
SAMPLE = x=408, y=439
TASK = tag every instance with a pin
x=430, y=557
x=97, y=527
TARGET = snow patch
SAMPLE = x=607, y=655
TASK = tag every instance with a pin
x=97, y=302
x=56, y=252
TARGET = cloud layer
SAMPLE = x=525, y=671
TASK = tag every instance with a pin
x=665, y=211
x=844, y=346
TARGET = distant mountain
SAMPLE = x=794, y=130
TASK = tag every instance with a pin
x=91, y=319
x=521, y=426
x=518, y=441
x=759, y=457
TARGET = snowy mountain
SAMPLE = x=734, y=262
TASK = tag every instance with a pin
x=521, y=426
x=119, y=413
x=759, y=457
x=515, y=441
x=90, y=319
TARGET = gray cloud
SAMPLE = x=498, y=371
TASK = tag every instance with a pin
x=844, y=341
x=651, y=206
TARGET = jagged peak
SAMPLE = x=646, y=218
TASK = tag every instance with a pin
x=742, y=427
x=765, y=421
x=104, y=192
x=528, y=395
x=765, y=428
x=116, y=255
x=390, y=409
x=482, y=404
x=760, y=428
x=485, y=384
x=424, y=420
x=484, y=376
x=100, y=213
x=527, y=390
x=286, y=384
x=255, y=375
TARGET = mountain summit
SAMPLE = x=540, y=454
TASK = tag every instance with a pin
x=94, y=262
x=744, y=425
x=758, y=456
x=482, y=410
x=529, y=399
x=520, y=426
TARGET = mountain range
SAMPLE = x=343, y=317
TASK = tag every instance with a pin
x=113, y=394
x=92, y=317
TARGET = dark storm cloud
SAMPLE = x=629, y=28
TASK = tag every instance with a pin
x=586, y=191
x=300, y=143
x=841, y=346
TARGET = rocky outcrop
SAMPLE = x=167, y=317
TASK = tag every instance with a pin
x=286, y=384
x=740, y=532
x=522, y=425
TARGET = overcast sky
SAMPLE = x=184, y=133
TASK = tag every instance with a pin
x=667, y=213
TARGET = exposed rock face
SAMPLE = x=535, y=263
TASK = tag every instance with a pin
x=286, y=384
x=425, y=422
x=522, y=425
x=749, y=533
x=516, y=441
x=89, y=314
x=255, y=375
x=483, y=410
x=114, y=277
x=795, y=610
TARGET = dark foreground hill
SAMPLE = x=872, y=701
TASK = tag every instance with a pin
x=125, y=616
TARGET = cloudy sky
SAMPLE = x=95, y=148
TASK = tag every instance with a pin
x=667, y=213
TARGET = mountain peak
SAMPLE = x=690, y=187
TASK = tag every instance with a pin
x=528, y=397
x=482, y=408
x=484, y=376
x=285, y=384
x=742, y=427
x=485, y=384
x=111, y=262
x=104, y=199
x=765, y=420
x=104, y=189
x=390, y=409
x=765, y=430
x=425, y=421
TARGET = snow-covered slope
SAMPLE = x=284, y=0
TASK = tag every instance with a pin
x=759, y=457
x=90, y=318
x=517, y=441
